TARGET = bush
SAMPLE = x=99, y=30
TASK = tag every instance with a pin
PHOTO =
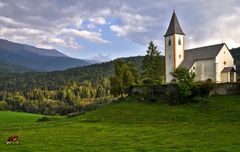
x=43, y=119
x=182, y=86
x=204, y=88
x=3, y=105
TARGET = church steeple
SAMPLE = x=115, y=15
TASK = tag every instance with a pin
x=174, y=26
x=174, y=47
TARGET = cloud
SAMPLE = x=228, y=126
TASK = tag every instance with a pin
x=127, y=29
x=58, y=23
x=98, y=20
x=91, y=36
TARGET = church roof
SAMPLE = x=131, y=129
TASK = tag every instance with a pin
x=174, y=26
x=201, y=53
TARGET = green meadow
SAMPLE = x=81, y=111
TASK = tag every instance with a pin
x=131, y=126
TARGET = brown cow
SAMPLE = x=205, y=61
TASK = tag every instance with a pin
x=12, y=140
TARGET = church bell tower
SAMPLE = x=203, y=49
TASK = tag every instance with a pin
x=174, y=47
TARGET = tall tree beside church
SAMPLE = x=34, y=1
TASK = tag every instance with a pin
x=125, y=76
x=152, y=65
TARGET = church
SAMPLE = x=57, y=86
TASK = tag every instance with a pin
x=208, y=62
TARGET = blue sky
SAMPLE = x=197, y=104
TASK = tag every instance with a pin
x=107, y=29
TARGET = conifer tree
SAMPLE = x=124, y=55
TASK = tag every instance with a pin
x=152, y=64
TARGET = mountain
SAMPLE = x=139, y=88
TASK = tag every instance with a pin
x=34, y=58
x=236, y=55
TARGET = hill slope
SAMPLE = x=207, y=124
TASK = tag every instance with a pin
x=55, y=80
x=10, y=68
x=36, y=58
x=136, y=126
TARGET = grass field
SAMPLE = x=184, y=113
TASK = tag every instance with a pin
x=131, y=126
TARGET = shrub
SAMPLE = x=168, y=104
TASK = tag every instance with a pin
x=204, y=88
x=3, y=105
x=44, y=118
x=181, y=87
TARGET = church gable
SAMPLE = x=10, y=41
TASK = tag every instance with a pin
x=224, y=60
x=225, y=55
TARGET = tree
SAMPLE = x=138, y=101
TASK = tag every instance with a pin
x=182, y=85
x=152, y=69
x=125, y=76
x=152, y=64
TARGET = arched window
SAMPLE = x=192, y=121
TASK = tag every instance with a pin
x=180, y=56
x=169, y=42
x=179, y=42
x=224, y=62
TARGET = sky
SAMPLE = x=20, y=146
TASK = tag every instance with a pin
x=107, y=29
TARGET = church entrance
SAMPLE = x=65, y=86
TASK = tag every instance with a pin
x=228, y=74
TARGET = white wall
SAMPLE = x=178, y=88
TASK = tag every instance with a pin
x=225, y=77
x=179, y=49
x=223, y=55
x=205, y=69
x=169, y=58
x=170, y=55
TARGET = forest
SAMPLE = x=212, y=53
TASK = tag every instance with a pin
x=61, y=92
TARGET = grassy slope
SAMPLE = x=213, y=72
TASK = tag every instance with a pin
x=131, y=126
x=7, y=117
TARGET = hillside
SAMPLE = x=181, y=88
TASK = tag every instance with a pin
x=55, y=80
x=60, y=92
x=135, y=126
x=8, y=117
x=34, y=58
x=10, y=68
x=236, y=55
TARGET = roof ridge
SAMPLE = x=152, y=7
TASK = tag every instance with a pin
x=205, y=46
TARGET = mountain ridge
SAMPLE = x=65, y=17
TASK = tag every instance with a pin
x=37, y=59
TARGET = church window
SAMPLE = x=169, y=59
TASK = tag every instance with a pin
x=193, y=68
x=179, y=42
x=169, y=56
x=180, y=56
x=224, y=62
x=169, y=42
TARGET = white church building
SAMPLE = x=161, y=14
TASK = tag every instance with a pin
x=208, y=62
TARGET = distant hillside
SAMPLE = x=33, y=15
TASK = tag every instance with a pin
x=236, y=55
x=34, y=58
x=10, y=68
x=54, y=80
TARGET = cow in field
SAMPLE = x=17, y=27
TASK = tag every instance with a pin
x=12, y=140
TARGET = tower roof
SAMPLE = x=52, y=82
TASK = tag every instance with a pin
x=174, y=26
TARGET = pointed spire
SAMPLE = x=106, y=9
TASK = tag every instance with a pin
x=174, y=26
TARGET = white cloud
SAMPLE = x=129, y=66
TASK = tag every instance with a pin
x=9, y=22
x=98, y=20
x=91, y=36
x=125, y=30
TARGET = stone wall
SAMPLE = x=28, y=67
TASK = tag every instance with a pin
x=226, y=88
x=219, y=89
